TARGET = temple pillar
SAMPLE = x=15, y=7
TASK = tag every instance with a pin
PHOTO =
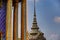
x=1, y=35
x=8, y=20
x=23, y=20
x=15, y=20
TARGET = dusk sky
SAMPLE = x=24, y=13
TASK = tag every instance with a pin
x=48, y=17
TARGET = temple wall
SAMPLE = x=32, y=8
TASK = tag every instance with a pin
x=3, y=19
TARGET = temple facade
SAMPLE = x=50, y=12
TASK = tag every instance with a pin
x=6, y=19
x=35, y=34
x=6, y=22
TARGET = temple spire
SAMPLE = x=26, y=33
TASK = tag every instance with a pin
x=35, y=34
x=34, y=24
x=34, y=9
x=34, y=19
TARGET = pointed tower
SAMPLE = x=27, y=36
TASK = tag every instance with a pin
x=34, y=28
x=35, y=34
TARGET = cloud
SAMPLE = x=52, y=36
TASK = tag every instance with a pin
x=33, y=0
x=54, y=37
x=57, y=19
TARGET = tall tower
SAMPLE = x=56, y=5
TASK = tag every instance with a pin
x=34, y=28
x=35, y=34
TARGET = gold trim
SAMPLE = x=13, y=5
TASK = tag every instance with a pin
x=8, y=19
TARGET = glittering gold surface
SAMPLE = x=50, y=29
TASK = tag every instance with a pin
x=8, y=20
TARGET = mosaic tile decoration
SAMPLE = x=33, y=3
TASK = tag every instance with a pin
x=3, y=20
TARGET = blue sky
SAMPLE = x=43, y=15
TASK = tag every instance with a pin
x=48, y=17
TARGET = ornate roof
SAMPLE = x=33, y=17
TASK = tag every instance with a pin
x=35, y=34
x=39, y=35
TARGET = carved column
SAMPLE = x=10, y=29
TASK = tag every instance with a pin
x=15, y=20
x=8, y=20
x=23, y=20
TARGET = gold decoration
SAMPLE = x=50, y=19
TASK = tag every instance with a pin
x=0, y=3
